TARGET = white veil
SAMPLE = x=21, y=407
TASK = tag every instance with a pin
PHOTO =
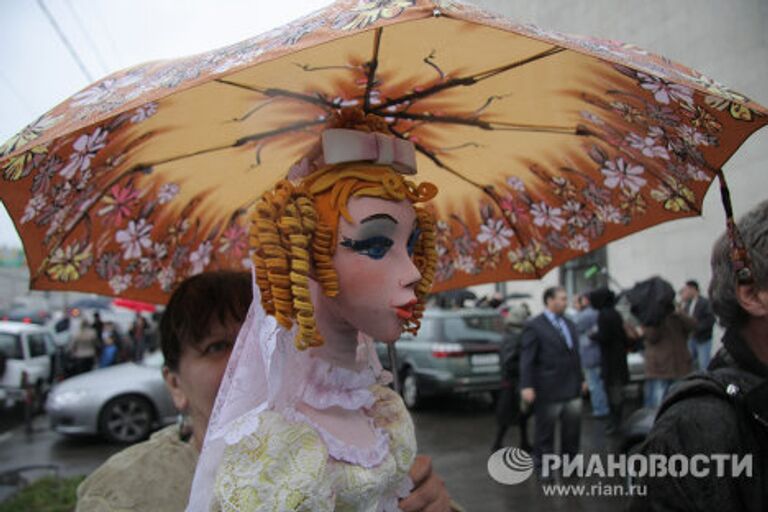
x=253, y=382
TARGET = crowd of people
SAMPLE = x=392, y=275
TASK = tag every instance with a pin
x=98, y=344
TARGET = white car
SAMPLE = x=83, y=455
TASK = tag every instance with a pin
x=26, y=357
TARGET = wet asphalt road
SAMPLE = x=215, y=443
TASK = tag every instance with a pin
x=456, y=432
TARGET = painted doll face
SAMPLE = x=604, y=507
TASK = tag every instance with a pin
x=373, y=259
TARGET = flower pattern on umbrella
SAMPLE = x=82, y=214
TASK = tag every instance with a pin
x=147, y=176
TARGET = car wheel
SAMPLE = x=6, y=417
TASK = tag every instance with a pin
x=410, y=390
x=126, y=419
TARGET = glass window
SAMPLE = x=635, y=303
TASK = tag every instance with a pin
x=428, y=329
x=10, y=345
x=474, y=328
x=37, y=345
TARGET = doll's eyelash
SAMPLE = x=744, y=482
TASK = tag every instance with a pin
x=412, y=240
x=375, y=247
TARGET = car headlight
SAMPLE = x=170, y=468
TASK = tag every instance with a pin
x=57, y=400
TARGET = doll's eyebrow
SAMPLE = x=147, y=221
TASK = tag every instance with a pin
x=376, y=216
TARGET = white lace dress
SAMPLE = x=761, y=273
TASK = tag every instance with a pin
x=291, y=463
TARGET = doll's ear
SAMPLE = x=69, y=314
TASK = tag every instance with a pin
x=173, y=383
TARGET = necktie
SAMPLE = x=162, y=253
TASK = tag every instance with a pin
x=560, y=324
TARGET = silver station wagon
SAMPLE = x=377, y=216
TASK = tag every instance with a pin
x=455, y=351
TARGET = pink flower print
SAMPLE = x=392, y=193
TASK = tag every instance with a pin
x=693, y=137
x=200, y=257
x=496, y=234
x=516, y=183
x=104, y=89
x=609, y=213
x=234, y=241
x=647, y=146
x=166, y=277
x=120, y=283
x=144, y=112
x=664, y=91
x=579, y=243
x=167, y=192
x=34, y=206
x=134, y=238
x=546, y=215
x=85, y=148
x=622, y=174
x=466, y=264
x=119, y=203
x=592, y=118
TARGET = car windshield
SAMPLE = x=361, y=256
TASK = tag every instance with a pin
x=474, y=327
x=10, y=346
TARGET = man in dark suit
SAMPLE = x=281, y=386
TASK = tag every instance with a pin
x=550, y=376
x=696, y=306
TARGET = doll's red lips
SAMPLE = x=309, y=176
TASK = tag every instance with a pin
x=406, y=310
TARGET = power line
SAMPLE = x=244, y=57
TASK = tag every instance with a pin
x=87, y=34
x=64, y=40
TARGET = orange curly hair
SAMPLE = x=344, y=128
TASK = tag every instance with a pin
x=294, y=232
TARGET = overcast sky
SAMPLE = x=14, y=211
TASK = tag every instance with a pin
x=37, y=71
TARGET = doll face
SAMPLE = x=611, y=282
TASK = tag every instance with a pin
x=373, y=259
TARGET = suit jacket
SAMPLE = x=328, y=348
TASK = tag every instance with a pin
x=547, y=364
x=705, y=320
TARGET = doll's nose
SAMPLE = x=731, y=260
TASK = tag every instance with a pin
x=410, y=276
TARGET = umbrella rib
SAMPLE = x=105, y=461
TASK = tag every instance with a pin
x=486, y=125
x=466, y=80
x=144, y=167
x=486, y=189
x=273, y=92
x=372, y=65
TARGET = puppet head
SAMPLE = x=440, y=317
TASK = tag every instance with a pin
x=296, y=225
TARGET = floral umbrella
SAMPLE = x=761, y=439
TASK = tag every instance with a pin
x=544, y=146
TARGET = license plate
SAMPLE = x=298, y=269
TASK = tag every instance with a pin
x=484, y=359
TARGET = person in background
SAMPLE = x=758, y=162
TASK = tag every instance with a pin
x=82, y=349
x=110, y=347
x=98, y=326
x=139, y=337
x=551, y=378
x=585, y=320
x=508, y=406
x=724, y=409
x=667, y=358
x=611, y=336
x=197, y=333
x=697, y=307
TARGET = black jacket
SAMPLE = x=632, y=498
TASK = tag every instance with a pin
x=546, y=362
x=713, y=422
x=705, y=320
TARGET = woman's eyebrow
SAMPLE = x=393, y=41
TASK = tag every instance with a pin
x=376, y=216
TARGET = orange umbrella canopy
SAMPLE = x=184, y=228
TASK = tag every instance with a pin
x=544, y=146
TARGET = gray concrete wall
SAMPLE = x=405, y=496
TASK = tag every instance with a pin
x=726, y=40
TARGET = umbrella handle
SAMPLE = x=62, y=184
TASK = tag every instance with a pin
x=392, y=354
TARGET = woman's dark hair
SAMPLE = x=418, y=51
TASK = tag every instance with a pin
x=197, y=304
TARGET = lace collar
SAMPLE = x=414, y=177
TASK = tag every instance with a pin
x=327, y=386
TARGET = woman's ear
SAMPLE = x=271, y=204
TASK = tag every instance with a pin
x=173, y=382
x=753, y=300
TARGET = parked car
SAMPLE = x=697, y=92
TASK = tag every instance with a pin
x=455, y=351
x=27, y=360
x=122, y=403
x=27, y=315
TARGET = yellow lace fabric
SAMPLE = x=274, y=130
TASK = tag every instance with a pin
x=285, y=466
